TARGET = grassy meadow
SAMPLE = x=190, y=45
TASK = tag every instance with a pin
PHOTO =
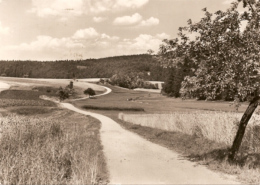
x=152, y=103
x=41, y=143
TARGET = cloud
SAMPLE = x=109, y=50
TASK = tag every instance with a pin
x=99, y=19
x=128, y=20
x=44, y=8
x=129, y=3
x=45, y=47
x=228, y=1
x=163, y=36
x=98, y=6
x=136, y=20
x=124, y=46
x=44, y=42
x=105, y=36
x=150, y=22
x=87, y=33
x=4, y=30
x=144, y=42
x=138, y=45
x=101, y=45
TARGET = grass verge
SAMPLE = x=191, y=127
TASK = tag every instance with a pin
x=217, y=126
x=62, y=148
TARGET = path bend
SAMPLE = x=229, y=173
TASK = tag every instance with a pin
x=134, y=160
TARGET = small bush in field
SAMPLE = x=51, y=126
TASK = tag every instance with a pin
x=90, y=92
x=63, y=93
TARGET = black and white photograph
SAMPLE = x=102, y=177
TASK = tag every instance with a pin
x=129, y=92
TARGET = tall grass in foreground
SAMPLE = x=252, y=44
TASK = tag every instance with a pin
x=220, y=127
x=47, y=151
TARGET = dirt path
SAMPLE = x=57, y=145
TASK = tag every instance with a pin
x=134, y=160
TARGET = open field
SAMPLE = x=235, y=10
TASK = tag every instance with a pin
x=60, y=147
x=30, y=83
x=154, y=102
x=43, y=144
x=24, y=98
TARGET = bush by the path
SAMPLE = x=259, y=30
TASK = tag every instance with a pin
x=90, y=92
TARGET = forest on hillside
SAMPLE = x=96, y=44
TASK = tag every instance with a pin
x=89, y=68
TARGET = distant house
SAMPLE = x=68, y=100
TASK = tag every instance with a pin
x=3, y=74
x=26, y=76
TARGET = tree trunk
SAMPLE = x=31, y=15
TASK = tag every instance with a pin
x=242, y=127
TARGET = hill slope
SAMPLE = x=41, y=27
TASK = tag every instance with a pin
x=90, y=68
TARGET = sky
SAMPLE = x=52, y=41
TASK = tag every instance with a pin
x=82, y=29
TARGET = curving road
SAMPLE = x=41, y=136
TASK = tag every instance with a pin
x=108, y=90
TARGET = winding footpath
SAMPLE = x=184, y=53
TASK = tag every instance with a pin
x=134, y=160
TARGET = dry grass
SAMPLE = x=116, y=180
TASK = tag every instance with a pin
x=31, y=110
x=220, y=127
x=62, y=149
x=12, y=98
x=16, y=102
x=197, y=148
x=24, y=94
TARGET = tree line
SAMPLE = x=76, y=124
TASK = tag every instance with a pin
x=90, y=68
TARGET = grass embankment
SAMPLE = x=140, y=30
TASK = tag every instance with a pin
x=49, y=146
x=202, y=138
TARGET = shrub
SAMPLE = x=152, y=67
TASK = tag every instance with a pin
x=63, y=93
x=90, y=92
x=70, y=86
x=131, y=81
